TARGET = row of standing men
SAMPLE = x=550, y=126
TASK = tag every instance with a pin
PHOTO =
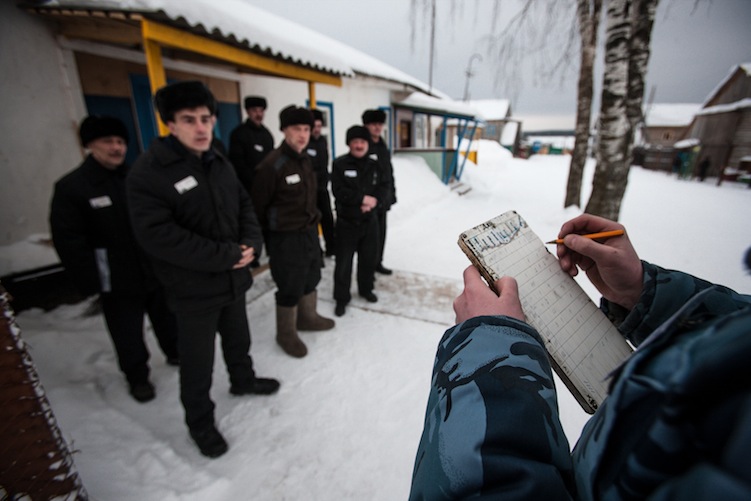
x=174, y=237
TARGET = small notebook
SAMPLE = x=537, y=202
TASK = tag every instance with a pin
x=583, y=345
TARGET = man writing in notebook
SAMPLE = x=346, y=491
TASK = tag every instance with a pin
x=675, y=422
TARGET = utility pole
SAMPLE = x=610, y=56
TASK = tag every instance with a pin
x=432, y=43
x=469, y=74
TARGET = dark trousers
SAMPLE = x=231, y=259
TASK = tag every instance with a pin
x=295, y=263
x=327, y=219
x=124, y=318
x=350, y=238
x=197, y=333
x=381, y=235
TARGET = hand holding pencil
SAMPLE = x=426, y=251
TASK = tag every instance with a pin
x=602, y=249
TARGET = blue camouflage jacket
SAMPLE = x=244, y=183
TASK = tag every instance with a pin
x=676, y=424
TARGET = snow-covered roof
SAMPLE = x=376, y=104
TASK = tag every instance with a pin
x=240, y=22
x=423, y=102
x=670, y=115
x=724, y=108
x=687, y=143
x=745, y=67
x=510, y=131
x=491, y=109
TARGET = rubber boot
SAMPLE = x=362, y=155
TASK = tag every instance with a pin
x=286, y=333
x=308, y=318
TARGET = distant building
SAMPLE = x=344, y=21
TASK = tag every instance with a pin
x=496, y=123
x=663, y=127
x=723, y=125
x=719, y=129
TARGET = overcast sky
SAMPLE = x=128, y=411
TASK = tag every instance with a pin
x=693, y=47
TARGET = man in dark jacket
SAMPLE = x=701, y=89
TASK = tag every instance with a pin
x=318, y=151
x=284, y=195
x=375, y=121
x=359, y=189
x=196, y=222
x=251, y=141
x=675, y=424
x=92, y=235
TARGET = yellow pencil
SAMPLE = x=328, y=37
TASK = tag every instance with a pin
x=593, y=236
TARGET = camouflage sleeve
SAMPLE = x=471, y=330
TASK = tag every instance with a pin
x=665, y=293
x=491, y=424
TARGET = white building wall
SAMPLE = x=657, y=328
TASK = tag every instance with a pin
x=41, y=108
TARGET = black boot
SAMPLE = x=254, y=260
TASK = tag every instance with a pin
x=210, y=442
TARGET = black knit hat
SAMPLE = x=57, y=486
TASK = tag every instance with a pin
x=94, y=127
x=183, y=95
x=317, y=114
x=357, y=132
x=292, y=115
x=374, y=116
x=255, y=101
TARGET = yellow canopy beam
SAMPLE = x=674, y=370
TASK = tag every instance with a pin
x=172, y=37
x=157, y=76
x=312, y=95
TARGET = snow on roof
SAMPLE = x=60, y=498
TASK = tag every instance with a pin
x=670, y=115
x=279, y=37
x=724, y=108
x=424, y=102
x=491, y=109
x=687, y=143
x=510, y=130
x=745, y=67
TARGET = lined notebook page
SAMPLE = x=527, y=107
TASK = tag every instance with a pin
x=584, y=346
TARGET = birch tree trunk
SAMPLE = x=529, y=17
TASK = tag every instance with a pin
x=588, y=16
x=642, y=19
x=629, y=26
x=612, y=166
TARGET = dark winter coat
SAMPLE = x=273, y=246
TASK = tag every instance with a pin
x=674, y=426
x=353, y=178
x=284, y=191
x=92, y=234
x=380, y=152
x=248, y=145
x=318, y=151
x=191, y=215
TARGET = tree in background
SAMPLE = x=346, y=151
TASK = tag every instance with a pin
x=628, y=35
x=536, y=29
x=588, y=19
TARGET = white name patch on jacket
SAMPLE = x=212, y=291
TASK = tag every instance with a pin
x=186, y=184
x=293, y=179
x=312, y=152
x=350, y=173
x=258, y=147
x=100, y=202
x=373, y=156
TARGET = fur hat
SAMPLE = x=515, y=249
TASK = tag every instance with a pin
x=317, y=114
x=374, y=116
x=357, y=132
x=183, y=95
x=255, y=101
x=94, y=127
x=292, y=115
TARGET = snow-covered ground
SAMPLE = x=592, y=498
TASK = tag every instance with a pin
x=347, y=420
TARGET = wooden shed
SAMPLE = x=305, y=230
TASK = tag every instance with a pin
x=723, y=125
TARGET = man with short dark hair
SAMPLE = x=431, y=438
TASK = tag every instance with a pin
x=196, y=221
x=284, y=195
x=92, y=235
x=375, y=120
x=251, y=141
